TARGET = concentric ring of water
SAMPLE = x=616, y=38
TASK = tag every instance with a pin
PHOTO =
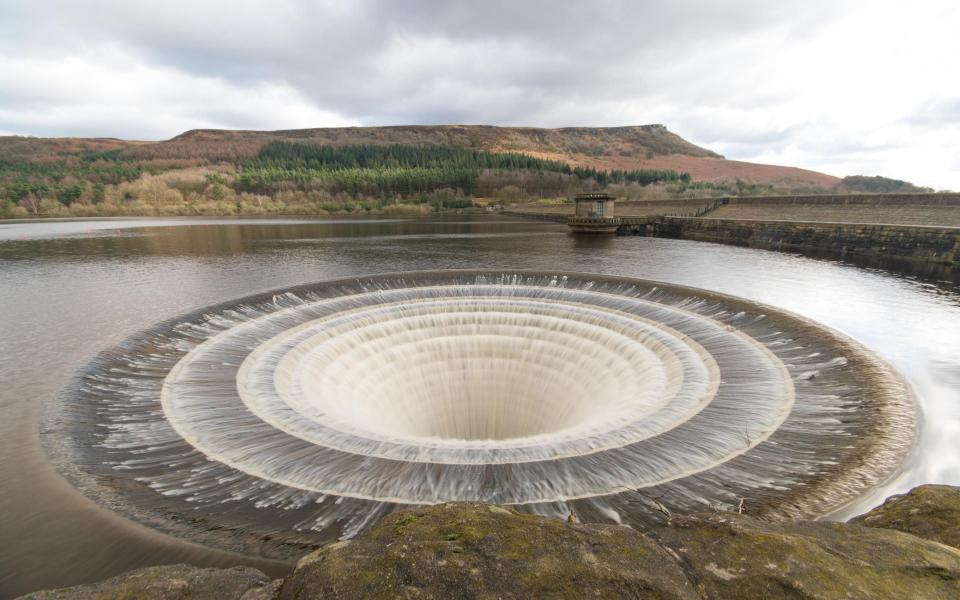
x=338, y=400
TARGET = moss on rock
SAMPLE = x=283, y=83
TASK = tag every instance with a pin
x=481, y=551
x=470, y=550
x=734, y=556
x=927, y=511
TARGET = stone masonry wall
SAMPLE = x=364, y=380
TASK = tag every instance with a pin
x=914, y=243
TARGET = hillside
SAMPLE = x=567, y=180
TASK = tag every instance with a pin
x=590, y=141
x=633, y=147
x=711, y=169
x=399, y=170
x=853, y=184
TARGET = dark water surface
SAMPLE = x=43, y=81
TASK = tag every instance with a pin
x=71, y=289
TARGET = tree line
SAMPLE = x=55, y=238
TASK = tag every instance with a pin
x=101, y=181
x=407, y=170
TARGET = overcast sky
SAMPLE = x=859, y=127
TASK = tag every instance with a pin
x=843, y=87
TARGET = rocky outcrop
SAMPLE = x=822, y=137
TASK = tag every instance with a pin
x=732, y=556
x=469, y=550
x=929, y=511
x=482, y=551
x=172, y=582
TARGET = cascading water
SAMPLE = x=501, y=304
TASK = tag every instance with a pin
x=305, y=414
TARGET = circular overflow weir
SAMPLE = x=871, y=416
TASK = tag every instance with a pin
x=282, y=420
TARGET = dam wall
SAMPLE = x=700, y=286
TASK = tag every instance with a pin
x=883, y=229
x=914, y=243
x=937, y=209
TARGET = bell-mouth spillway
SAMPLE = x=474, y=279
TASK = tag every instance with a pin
x=304, y=413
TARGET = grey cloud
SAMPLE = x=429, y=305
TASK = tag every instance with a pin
x=337, y=55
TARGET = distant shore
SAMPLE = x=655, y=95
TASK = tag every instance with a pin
x=414, y=211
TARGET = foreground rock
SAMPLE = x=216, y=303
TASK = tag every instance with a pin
x=928, y=511
x=483, y=551
x=174, y=582
x=477, y=551
x=732, y=556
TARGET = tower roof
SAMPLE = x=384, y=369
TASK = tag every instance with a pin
x=595, y=196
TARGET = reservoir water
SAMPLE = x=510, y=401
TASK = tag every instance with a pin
x=69, y=290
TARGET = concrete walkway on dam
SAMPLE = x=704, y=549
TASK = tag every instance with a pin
x=938, y=210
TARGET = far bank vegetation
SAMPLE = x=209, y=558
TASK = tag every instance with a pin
x=291, y=178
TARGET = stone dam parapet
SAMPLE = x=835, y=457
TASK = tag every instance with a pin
x=917, y=243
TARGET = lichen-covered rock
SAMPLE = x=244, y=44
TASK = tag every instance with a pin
x=481, y=551
x=469, y=550
x=927, y=511
x=734, y=556
x=172, y=582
